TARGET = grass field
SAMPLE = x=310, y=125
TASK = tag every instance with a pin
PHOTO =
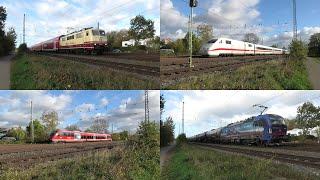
x=34, y=72
x=194, y=162
x=269, y=75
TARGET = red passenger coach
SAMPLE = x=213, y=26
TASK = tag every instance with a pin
x=78, y=136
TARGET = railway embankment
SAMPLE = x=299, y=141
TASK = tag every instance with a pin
x=235, y=73
x=198, y=162
x=44, y=72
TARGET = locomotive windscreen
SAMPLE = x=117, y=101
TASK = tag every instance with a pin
x=212, y=41
x=276, y=120
x=98, y=32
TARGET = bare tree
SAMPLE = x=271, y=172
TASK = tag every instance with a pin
x=251, y=38
x=50, y=120
x=100, y=125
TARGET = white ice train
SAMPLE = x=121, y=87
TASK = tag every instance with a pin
x=226, y=47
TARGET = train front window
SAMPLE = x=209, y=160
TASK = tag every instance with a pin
x=212, y=41
x=98, y=32
x=277, y=120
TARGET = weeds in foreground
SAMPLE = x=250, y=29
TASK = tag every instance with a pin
x=35, y=72
x=194, y=162
x=267, y=75
x=139, y=159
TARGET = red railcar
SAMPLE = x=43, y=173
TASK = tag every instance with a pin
x=78, y=136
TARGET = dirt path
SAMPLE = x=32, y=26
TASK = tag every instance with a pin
x=313, y=66
x=165, y=154
x=5, y=63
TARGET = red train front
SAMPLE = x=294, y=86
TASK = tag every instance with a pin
x=78, y=136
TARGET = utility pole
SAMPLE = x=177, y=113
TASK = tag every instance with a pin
x=295, y=29
x=98, y=26
x=192, y=4
x=24, y=28
x=112, y=128
x=146, y=106
x=183, y=117
x=32, y=127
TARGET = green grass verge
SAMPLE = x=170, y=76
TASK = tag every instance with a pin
x=194, y=162
x=35, y=72
x=269, y=75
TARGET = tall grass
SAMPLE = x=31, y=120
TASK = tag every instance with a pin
x=194, y=162
x=139, y=159
x=35, y=72
x=268, y=75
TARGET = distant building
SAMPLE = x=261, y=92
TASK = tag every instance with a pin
x=132, y=42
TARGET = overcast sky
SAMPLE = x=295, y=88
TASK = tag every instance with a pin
x=46, y=19
x=270, y=19
x=205, y=110
x=124, y=109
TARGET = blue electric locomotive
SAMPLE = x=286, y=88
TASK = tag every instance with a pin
x=262, y=129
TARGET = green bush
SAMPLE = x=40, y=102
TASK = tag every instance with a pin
x=298, y=49
x=181, y=139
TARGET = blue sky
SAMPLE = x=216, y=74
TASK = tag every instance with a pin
x=270, y=19
x=46, y=19
x=205, y=110
x=123, y=109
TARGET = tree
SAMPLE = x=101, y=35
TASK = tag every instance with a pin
x=308, y=117
x=10, y=41
x=251, y=38
x=166, y=132
x=181, y=139
x=274, y=46
x=204, y=32
x=50, y=120
x=115, y=38
x=298, y=50
x=40, y=134
x=141, y=28
x=196, y=43
x=18, y=133
x=314, y=45
x=124, y=135
x=72, y=128
x=3, y=17
x=99, y=125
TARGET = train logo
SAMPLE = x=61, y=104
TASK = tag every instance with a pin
x=65, y=136
x=228, y=47
x=87, y=40
x=262, y=129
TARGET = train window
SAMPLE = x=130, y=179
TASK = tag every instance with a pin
x=220, y=41
x=79, y=35
x=228, y=42
x=250, y=45
x=70, y=37
x=87, y=33
x=102, y=33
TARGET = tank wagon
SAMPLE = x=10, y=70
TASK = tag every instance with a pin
x=87, y=40
x=262, y=129
x=228, y=47
x=66, y=136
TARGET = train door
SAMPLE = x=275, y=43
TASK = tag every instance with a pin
x=77, y=136
x=228, y=49
x=87, y=35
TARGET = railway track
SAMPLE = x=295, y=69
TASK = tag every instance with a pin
x=127, y=67
x=29, y=158
x=313, y=162
x=173, y=69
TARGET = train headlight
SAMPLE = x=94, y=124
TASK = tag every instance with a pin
x=270, y=130
x=95, y=44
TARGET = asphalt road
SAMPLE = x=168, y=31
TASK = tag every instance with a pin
x=313, y=66
x=5, y=63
